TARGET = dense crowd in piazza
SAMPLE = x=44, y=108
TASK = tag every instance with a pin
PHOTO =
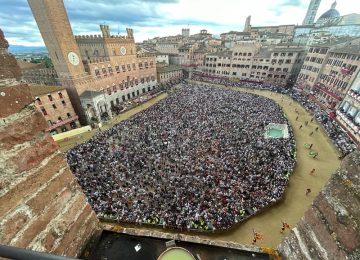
x=196, y=160
x=338, y=136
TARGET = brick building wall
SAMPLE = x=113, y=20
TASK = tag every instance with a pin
x=330, y=228
x=55, y=105
x=41, y=205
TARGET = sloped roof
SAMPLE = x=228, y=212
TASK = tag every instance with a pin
x=38, y=90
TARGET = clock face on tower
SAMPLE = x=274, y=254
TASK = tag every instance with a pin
x=123, y=50
x=73, y=58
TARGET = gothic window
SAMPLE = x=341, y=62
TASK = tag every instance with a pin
x=123, y=68
x=117, y=68
x=103, y=70
x=128, y=67
x=50, y=97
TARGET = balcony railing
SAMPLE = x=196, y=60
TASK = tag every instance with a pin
x=62, y=122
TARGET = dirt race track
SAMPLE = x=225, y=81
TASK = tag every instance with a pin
x=294, y=202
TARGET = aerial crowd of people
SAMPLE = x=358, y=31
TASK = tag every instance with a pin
x=198, y=159
x=341, y=140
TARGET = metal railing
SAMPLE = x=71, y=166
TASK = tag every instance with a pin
x=17, y=253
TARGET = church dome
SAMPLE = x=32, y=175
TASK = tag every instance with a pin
x=332, y=13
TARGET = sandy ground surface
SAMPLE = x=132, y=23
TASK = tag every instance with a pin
x=294, y=203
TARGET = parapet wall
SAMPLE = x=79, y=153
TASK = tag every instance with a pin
x=330, y=229
x=41, y=205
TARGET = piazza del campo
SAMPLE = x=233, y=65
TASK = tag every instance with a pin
x=153, y=143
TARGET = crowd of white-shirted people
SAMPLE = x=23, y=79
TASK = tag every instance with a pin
x=338, y=136
x=198, y=159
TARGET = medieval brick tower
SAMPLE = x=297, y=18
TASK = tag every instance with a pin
x=99, y=71
x=57, y=34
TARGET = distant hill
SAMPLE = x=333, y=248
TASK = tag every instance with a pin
x=26, y=49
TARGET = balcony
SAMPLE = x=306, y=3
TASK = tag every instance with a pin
x=349, y=121
x=355, y=95
x=62, y=122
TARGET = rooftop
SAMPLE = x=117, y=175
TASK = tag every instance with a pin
x=221, y=54
x=37, y=90
x=90, y=94
x=168, y=68
x=349, y=49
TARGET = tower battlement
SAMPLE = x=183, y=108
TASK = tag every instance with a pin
x=105, y=30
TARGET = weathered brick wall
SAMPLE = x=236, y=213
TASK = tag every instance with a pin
x=330, y=229
x=41, y=205
x=8, y=65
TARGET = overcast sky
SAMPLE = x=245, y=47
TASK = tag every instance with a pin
x=150, y=18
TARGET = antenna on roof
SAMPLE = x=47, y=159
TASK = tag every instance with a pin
x=118, y=29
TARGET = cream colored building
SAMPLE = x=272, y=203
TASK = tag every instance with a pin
x=55, y=105
x=166, y=73
x=277, y=64
x=338, y=74
x=167, y=47
x=313, y=66
x=348, y=113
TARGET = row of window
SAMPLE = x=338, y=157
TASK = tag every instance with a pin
x=128, y=83
x=339, y=63
x=331, y=80
x=248, y=67
x=50, y=97
x=50, y=123
x=129, y=95
x=311, y=68
x=124, y=68
x=211, y=59
x=283, y=54
x=62, y=102
x=242, y=54
x=344, y=56
x=169, y=75
x=314, y=59
x=280, y=61
x=45, y=113
x=318, y=50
